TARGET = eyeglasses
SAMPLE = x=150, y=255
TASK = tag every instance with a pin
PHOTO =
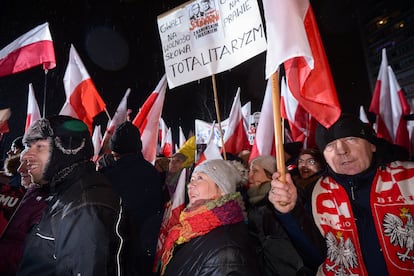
x=310, y=162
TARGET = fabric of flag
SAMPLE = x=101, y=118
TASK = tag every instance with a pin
x=390, y=106
x=171, y=214
x=265, y=132
x=5, y=114
x=167, y=148
x=212, y=151
x=363, y=115
x=33, y=111
x=163, y=128
x=302, y=124
x=307, y=69
x=182, y=138
x=235, y=138
x=147, y=120
x=82, y=98
x=27, y=51
x=120, y=116
x=97, y=142
x=246, y=111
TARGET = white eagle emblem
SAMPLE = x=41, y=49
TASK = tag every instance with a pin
x=342, y=253
x=401, y=234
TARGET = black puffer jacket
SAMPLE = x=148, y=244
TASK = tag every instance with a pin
x=225, y=250
x=77, y=233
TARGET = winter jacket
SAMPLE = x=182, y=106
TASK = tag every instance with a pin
x=225, y=250
x=10, y=198
x=26, y=216
x=139, y=185
x=77, y=233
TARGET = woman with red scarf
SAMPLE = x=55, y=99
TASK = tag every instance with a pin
x=211, y=236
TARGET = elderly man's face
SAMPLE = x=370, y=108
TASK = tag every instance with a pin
x=38, y=155
x=349, y=155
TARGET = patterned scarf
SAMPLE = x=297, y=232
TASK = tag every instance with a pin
x=200, y=219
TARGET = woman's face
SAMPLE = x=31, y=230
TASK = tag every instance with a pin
x=257, y=175
x=201, y=186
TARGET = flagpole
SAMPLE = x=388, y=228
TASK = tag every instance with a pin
x=280, y=155
x=213, y=78
x=44, y=94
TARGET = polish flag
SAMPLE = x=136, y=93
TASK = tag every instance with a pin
x=307, y=69
x=235, y=138
x=390, y=106
x=97, y=142
x=147, y=120
x=5, y=114
x=162, y=132
x=182, y=138
x=265, y=132
x=171, y=216
x=82, y=99
x=211, y=151
x=29, y=50
x=33, y=112
x=363, y=115
x=120, y=116
x=168, y=144
x=302, y=124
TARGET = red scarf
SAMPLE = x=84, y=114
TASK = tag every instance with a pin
x=392, y=204
x=199, y=220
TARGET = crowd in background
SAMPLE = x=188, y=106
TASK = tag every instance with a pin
x=345, y=207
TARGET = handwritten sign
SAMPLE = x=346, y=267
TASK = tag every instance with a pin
x=204, y=37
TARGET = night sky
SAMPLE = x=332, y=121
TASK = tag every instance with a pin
x=119, y=45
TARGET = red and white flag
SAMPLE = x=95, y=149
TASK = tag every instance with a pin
x=5, y=114
x=171, y=214
x=147, y=120
x=302, y=124
x=82, y=98
x=97, y=142
x=29, y=50
x=235, y=137
x=307, y=69
x=390, y=106
x=363, y=115
x=167, y=148
x=120, y=116
x=162, y=132
x=182, y=138
x=33, y=111
x=265, y=132
x=211, y=151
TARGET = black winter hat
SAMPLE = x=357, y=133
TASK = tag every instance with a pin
x=126, y=139
x=69, y=138
x=293, y=148
x=346, y=126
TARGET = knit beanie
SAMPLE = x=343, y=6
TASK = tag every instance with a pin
x=69, y=139
x=126, y=139
x=346, y=126
x=222, y=172
x=267, y=162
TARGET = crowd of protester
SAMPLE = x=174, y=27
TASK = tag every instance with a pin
x=345, y=207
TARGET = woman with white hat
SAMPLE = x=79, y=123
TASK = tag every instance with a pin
x=211, y=236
